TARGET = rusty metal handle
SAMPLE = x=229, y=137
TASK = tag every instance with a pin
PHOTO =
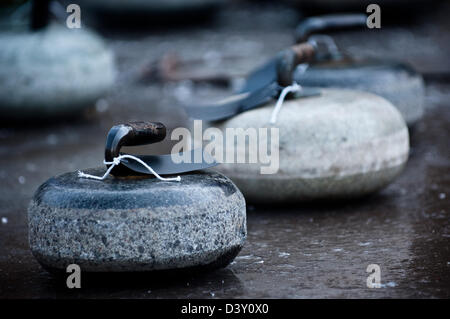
x=289, y=59
x=132, y=134
x=328, y=22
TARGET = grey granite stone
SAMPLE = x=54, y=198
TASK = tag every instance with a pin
x=340, y=144
x=52, y=72
x=137, y=224
x=396, y=82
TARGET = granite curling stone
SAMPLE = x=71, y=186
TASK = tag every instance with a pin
x=339, y=144
x=137, y=223
x=53, y=71
x=396, y=82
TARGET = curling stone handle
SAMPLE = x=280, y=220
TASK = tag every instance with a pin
x=289, y=59
x=328, y=22
x=40, y=14
x=132, y=134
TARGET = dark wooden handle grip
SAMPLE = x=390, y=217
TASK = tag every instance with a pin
x=132, y=134
x=142, y=133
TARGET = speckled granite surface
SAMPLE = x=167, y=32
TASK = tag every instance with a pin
x=125, y=225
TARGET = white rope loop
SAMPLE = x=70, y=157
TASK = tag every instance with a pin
x=294, y=87
x=116, y=161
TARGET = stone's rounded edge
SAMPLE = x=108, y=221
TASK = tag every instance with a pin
x=316, y=161
x=304, y=190
x=144, y=239
x=58, y=265
x=222, y=261
x=70, y=191
x=396, y=82
x=52, y=86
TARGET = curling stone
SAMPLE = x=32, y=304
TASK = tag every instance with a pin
x=134, y=221
x=398, y=82
x=335, y=143
x=330, y=68
x=52, y=71
x=339, y=144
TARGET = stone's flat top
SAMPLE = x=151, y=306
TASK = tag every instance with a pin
x=371, y=74
x=306, y=251
x=52, y=72
x=70, y=191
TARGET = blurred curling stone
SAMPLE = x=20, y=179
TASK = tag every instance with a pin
x=398, y=82
x=51, y=70
x=393, y=80
x=336, y=144
x=133, y=221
